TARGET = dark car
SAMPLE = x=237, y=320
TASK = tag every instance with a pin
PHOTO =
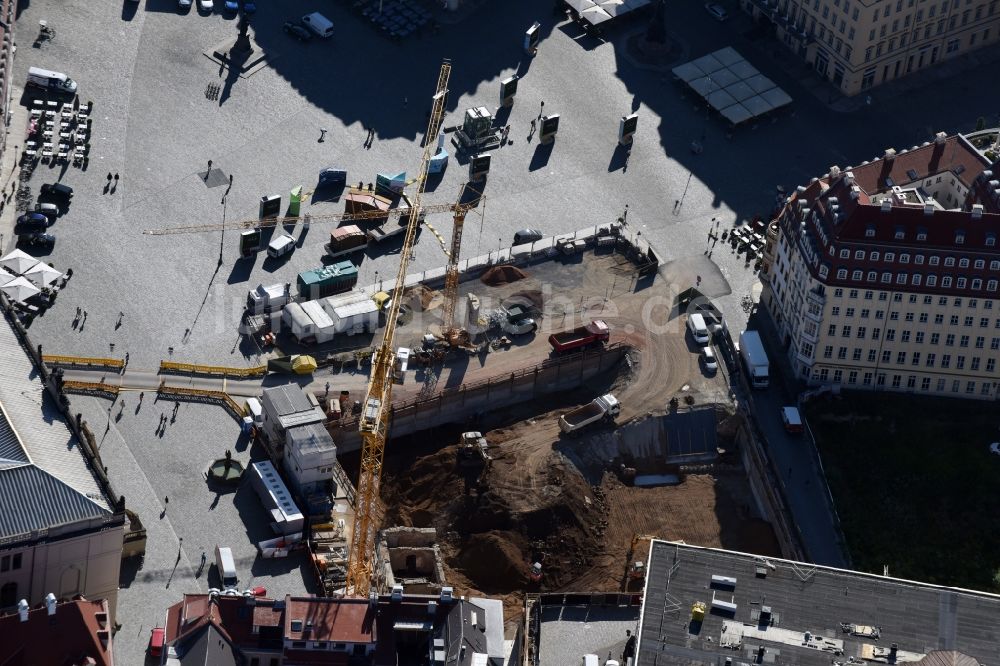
x=297, y=31
x=33, y=221
x=234, y=6
x=57, y=190
x=38, y=239
x=49, y=210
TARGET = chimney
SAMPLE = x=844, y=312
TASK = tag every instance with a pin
x=886, y=205
x=940, y=138
x=22, y=609
x=834, y=173
x=855, y=192
x=447, y=594
x=50, y=603
x=890, y=154
x=977, y=211
x=849, y=177
x=928, y=209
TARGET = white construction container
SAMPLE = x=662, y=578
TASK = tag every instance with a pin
x=298, y=322
x=323, y=325
x=351, y=314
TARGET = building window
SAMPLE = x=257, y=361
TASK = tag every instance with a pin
x=939, y=319
x=940, y=385
x=842, y=354
x=862, y=331
x=919, y=335
x=968, y=321
x=824, y=374
x=876, y=332
x=949, y=262
x=930, y=360
x=946, y=361
x=991, y=364
x=925, y=384
x=974, y=365
x=838, y=376
x=946, y=281
x=960, y=283
x=970, y=387
x=890, y=334
x=890, y=257
x=856, y=275
x=991, y=285
x=845, y=253
x=865, y=312
x=980, y=342
x=900, y=358
x=835, y=311
x=828, y=351
x=915, y=359
x=896, y=379
x=963, y=341
x=949, y=340
x=977, y=284
x=959, y=362
x=953, y=320
x=951, y=47
x=837, y=293
x=911, y=381
x=871, y=355
x=872, y=276
x=955, y=385
x=935, y=338
x=856, y=354
x=923, y=318
x=4, y=563
x=842, y=274
x=905, y=337
x=852, y=378
x=886, y=356
x=963, y=262
x=831, y=330
x=893, y=316
x=887, y=277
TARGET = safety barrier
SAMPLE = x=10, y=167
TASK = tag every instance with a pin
x=54, y=359
x=219, y=397
x=90, y=388
x=220, y=370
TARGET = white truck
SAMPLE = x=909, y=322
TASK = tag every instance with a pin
x=605, y=407
x=754, y=359
x=268, y=299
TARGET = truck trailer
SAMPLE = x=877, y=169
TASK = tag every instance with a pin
x=327, y=280
x=596, y=332
x=605, y=407
x=754, y=359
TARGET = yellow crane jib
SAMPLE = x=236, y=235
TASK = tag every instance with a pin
x=374, y=424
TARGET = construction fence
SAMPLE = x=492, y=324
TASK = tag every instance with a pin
x=83, y=361
x=213, y=370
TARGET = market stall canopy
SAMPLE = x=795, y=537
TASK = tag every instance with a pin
x=20, y=290
x=18, y=261
x=6, y=277
x=42, y=275
x=596, y=12
x=732, y=86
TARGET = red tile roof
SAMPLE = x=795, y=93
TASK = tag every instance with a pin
x=335, y=620
x=233, y=616
x=955, y=154
x=78, y=630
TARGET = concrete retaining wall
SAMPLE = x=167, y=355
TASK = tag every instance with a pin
x=455, y=405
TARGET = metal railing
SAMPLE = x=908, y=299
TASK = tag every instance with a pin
x=219, y=397
x=216, y=370
x=87, y=388
x=87, y=361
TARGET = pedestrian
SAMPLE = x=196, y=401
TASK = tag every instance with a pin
x=110, y=176
x=126, y=358
x=328, y=388
x=78, y=311
x=541, y=109
x=677, y=202
x=116, y=176
x=85, y=315
x=533, y=121
x=322, y=134
x=210, y=165
x=166, y=500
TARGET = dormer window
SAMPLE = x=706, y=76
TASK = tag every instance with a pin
x=856, y=275
x=980, y=264
x=946, y=281
x=899, y=234
x=824, y=271
x=890, y=257
x=918, y=259
x=904, y=258
x=949, y=262
x=977, y=283
x=872, y=276
x=991, y=240
x=932, y=280
x=959, y=237
x=859, y=255
x=921, y=234
x=960, y=283
x=841, y=273
x=870, y=231
x=874, y=256
x=963, y=262
x=845, y=253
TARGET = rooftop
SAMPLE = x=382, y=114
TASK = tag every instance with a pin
x=572, y=629
x=336, y=620
x=813, y=612
x=74, y=631
x=311, y=439
x=45, y=481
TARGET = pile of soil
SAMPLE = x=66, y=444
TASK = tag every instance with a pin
x=422, y=297
x=499, y=275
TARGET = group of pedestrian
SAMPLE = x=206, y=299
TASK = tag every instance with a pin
x=112, y=183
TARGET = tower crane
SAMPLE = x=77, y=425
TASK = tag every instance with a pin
x=374, y=422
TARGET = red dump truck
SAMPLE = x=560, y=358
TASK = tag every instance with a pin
x=596, y=332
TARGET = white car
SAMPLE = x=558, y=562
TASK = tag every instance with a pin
x=184, y=4
x=716, y=11
x=205, y=5
x=708, y=358
x=995, y=448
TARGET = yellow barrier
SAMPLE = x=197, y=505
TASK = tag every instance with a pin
x=54, y=359
x=193, y=368
x=219, y=396
x=83, y=387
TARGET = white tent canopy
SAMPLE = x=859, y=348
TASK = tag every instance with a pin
x=5, y=277
x=18, y=261
x=732, y=86
x=19, y=289
x=42, y=275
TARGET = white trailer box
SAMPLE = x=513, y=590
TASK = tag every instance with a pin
x=754, y=358
x=298, y=322
x=353, y=313
x=323, y=324
x=268, y=299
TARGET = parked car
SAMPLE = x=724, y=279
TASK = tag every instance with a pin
x=297, y=31
x=792, y=419
x=716, y=11
x=57, y=190
x=231, y=5
x=38, y=239
x=709, y=359
x=184, y=4
x=33, y=221
x=205, y=5
x=49, y=210
x=249, y=7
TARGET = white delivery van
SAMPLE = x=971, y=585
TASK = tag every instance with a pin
x=50, y=81
x=319, y=24
x=255, y=411
x=591, y=660
x=699, y=331
x=280, y=246
x=227, y=567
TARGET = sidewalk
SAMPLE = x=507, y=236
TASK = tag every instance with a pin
x=9, y=168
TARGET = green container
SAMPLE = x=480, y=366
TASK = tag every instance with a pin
x=332, y=279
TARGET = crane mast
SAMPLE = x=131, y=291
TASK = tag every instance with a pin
x=376, y=410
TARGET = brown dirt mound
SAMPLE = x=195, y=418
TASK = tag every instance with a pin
x=499, y=275
x=494, y=560
x=421, y=296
